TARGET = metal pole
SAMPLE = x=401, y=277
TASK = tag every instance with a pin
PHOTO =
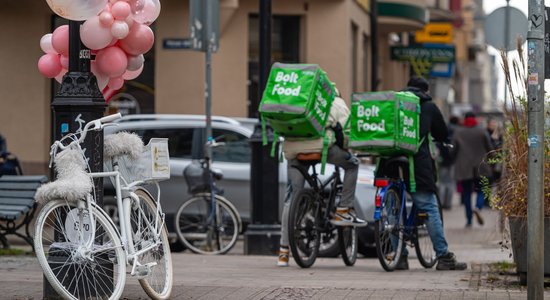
x=374, y=43
x=208, y=79
x=506, y=40
x=535, y=128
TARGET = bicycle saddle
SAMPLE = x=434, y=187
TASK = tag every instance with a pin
x=309, y=158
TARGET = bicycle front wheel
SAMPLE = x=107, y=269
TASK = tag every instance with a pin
x=303, y=228
x=206, y=226
x=388, y=230
x=148, y=231
x=347, y=239
x=79, y=251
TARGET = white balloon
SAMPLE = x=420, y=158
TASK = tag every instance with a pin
x=135, y=62
x=149, y=13
x=77, y=10
x=46, y=44
x=120, y=29
x=95, y=36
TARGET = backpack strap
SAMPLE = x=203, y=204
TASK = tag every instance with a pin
x=324, y=153
x=412, y=181
x=264, y=133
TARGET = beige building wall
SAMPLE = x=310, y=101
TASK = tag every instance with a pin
x=25, y=94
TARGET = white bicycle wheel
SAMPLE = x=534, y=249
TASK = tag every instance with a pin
x=81, y=255
x=157, y=262
x=204, y=232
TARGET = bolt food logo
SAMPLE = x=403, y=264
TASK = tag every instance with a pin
x=283, y=79
x=368, y=113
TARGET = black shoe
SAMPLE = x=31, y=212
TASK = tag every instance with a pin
x=478, y=216
x=403, y=263
x=448, y=262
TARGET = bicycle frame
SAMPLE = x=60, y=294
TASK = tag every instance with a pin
x=379, y=205
x=124, y=195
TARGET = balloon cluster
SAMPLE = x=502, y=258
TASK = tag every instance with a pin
x=117, y=33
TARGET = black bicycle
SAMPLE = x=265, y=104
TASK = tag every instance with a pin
x=310, y=213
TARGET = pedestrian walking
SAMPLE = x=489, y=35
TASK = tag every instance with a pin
x=471, y=146
x=446, y=178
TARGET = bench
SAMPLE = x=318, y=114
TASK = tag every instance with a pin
x=17, y=205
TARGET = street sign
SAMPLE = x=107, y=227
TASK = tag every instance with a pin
x=177, y=43
x=197, y=22
x=439, y=54
x=495, y=27
x=435, y=33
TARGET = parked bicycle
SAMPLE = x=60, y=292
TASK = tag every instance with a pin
x=82, y=253
x=395, y=227
x=310, y=213
x=207, y=223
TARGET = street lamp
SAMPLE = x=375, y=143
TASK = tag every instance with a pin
x=77, y=102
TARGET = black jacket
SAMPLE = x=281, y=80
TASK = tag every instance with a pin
x=431, y=121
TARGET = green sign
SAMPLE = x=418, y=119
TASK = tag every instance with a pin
x=431, y=54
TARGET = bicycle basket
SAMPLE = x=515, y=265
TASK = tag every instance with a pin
x=152, y=165
x=196, y=178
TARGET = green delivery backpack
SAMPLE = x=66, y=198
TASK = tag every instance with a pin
x=386, y=124
x=297, y=99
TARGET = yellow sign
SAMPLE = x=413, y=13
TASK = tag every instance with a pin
x=364, y=4
x=441, y=33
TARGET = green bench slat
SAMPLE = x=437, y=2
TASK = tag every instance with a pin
x=9, y=209
x=26, y=178
x=24, y=185
x=17, y=194
x=17, y=201
x=10, y=215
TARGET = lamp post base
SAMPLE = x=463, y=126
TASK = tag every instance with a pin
x=262, y=239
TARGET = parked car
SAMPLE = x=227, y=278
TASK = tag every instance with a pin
x=185, y=135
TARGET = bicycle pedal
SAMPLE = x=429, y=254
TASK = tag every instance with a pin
x=422, y=216
x=142, y=271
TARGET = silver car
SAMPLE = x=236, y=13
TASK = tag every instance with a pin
x=185, y=135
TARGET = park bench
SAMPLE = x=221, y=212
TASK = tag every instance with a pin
x=17, y=205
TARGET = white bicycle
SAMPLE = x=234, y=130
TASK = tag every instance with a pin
x=81, y=251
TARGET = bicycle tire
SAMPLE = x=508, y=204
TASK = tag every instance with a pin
x=193, y=229
x=303, y=228
x=423, y=245
x=62, y=229
x=142, y=215
x=347, y=240
x=388, y=230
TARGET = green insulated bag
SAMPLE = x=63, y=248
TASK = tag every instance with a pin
x=385, y=123
x=297, y=100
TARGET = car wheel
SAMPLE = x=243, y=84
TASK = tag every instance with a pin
x=329, y=244
x=366, y=245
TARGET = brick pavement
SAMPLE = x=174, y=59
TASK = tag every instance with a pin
x=235, y=276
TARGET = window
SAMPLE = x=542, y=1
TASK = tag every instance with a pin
x=366, y=64
x=180, y=140
x=354, y=67
x=236, y=148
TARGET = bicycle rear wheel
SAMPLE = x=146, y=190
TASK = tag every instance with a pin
x=303, y=228
x=389, y=230
x=204, y=232
x=76, y=266
x=347, y=239
x=145, y=225
x=423, y=245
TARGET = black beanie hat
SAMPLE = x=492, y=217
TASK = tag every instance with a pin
x=419, y=82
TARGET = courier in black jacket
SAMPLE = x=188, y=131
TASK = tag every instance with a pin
x=424, y=199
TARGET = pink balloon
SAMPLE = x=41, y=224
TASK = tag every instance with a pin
x=60, y=39
x=95, y=36
x=120, y=29
x=116, y=83
x=135, y=62
x=64, y=61
x=121, y=10
x=139, y=40
x=112, y=61
x=106, y=19
x=46, y=44
x=59, y=76
x=149, y=13
x=129, y=75
x=49, y=65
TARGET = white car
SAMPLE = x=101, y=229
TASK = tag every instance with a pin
x=185, y=135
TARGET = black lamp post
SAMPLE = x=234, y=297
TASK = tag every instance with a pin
x=263, y=234
x=77, y=102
